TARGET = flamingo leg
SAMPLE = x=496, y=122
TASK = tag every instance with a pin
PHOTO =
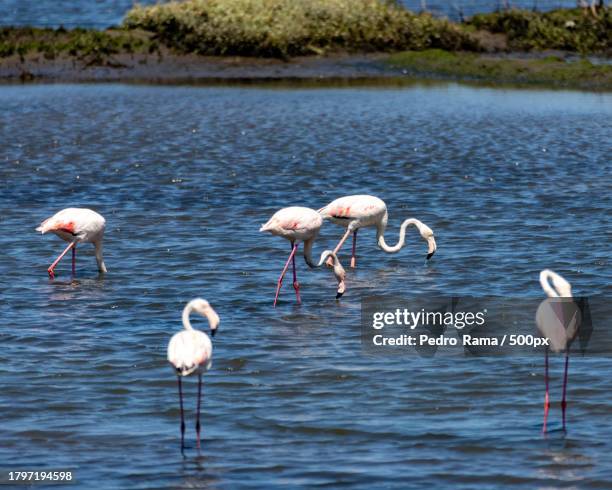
x=354, y=256
x=546, y=399
x=198, y=410
x=52, y=266
x=296, y=284
x=280, y=278
x=74, y=260
x=180, y=390
x=563, y=402
x=330, y=260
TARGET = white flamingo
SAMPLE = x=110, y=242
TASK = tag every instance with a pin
x=558, y=321
x=76, y=225
x=190, y=352
x=298, y=224
x=360, y=211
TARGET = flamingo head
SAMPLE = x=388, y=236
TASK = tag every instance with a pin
x=428, y=235
x=203, y=307
x=341, y=288
x=339, y=271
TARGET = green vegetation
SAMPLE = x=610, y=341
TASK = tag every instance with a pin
x=424, y=45
x=90, y=46
x=282, y=28
x=567, y=29
x=469, y=66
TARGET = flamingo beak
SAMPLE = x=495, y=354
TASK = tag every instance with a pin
x=431, y=247
x=213, y=320
x=341, y=288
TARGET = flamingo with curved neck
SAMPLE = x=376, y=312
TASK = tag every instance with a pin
x=76, y=225
x=190, y=351
x=299, y=224
x=555, y=325
x=424, y=230
x=361, y=211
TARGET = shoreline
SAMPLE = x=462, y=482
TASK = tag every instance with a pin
x=550, y=69
x=191, y=67
x=375, y=40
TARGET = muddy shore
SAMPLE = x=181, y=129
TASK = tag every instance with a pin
x=191, y=68
x=542, y=69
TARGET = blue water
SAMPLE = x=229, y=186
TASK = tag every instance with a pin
x=511, y=181
x=103, y=13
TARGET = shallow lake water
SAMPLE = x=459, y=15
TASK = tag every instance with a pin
x=511, y=181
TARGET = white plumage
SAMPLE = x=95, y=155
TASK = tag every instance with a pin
x=558, y=319
x=361, y=211
x=76, y=225
x=299, y=224
x=190, y=351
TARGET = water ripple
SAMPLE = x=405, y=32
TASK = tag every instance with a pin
x=511, y=182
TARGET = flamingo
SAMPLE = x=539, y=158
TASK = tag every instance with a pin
x=190, y=351
x=76, y=225
x=554, y=322
x=302, y=224
x=360, y=211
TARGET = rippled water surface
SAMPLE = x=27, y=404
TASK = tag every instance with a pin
x=511, y=182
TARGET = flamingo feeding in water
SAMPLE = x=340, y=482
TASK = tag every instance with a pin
x=299, y=224
x=76, y=225
x=190, y=351
x=557, y=320
x=354, y=212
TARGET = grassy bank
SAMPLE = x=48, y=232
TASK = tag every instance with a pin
x=565, y=29
x=176, y=34
x=549, y=71
x=96, y=47
x=283, y=28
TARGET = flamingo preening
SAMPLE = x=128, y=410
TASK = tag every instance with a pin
x=558, y=321
x=360, y=211
x=76, y=225
x=190, y=351
x=299, y=224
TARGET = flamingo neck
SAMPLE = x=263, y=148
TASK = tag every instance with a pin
x=559, y=288
x=99, y=258
x=186, y=312
x=380, y=234
x=338, y=270
x=308, y=253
